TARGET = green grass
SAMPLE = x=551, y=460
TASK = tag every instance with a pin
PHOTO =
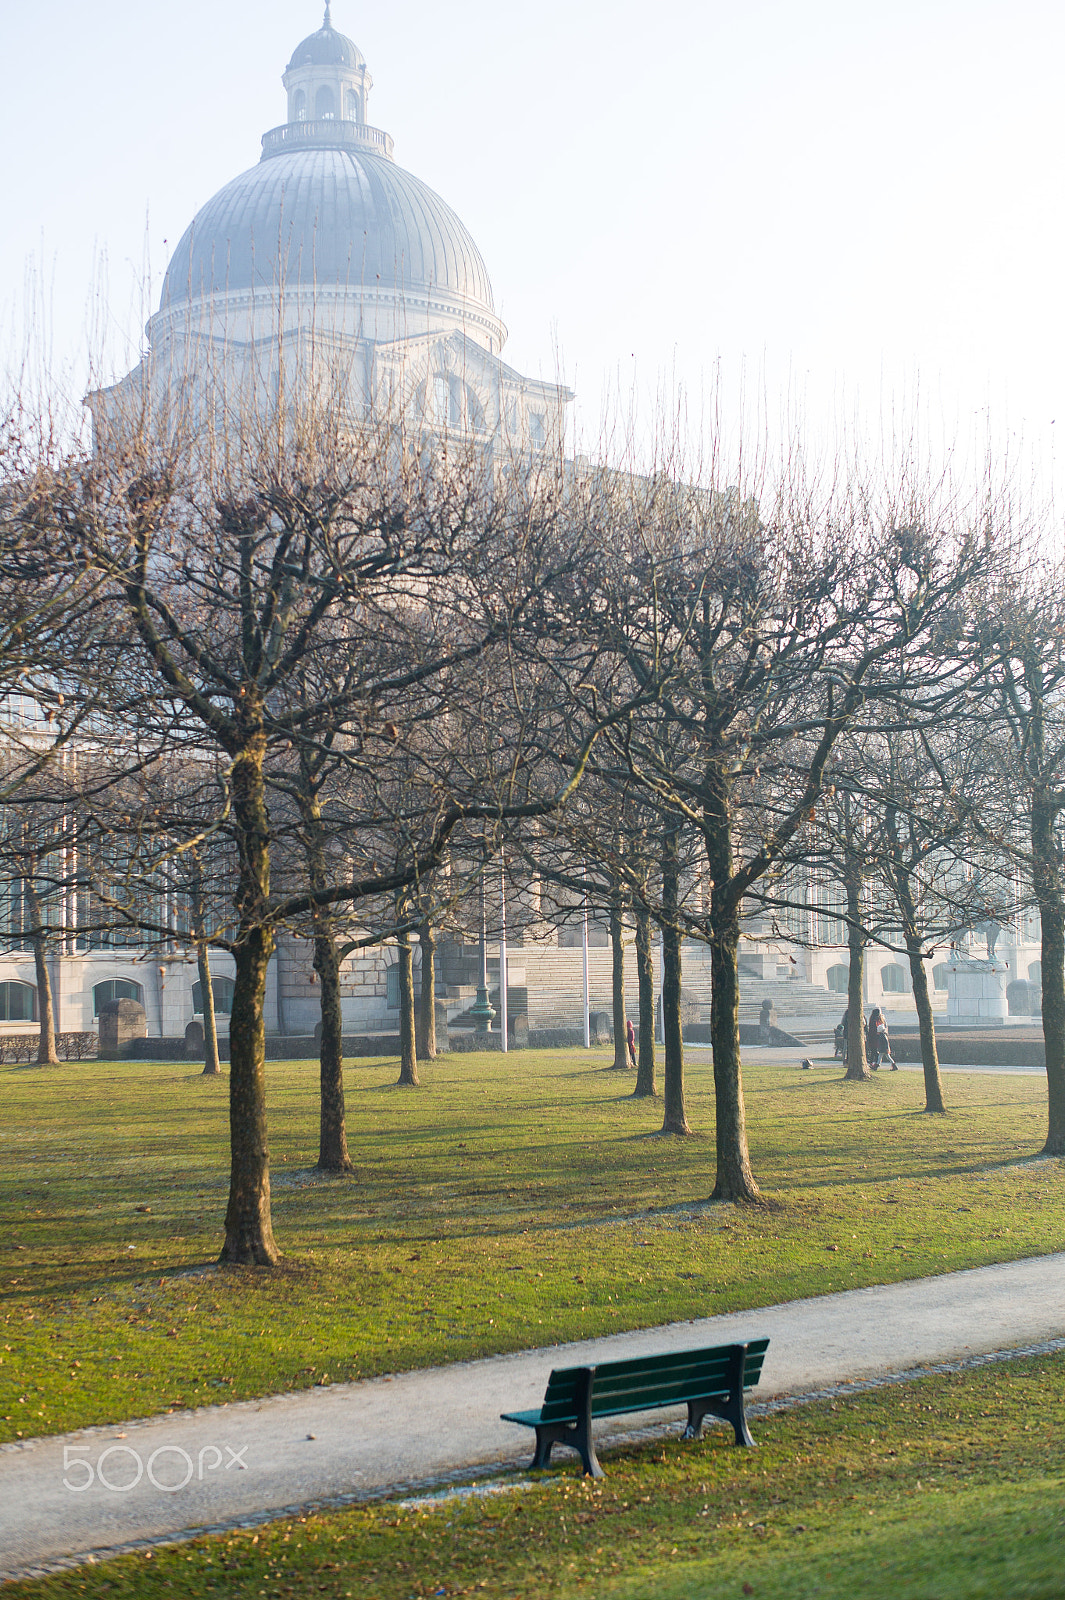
x=509, y=1203
x=951, y=1488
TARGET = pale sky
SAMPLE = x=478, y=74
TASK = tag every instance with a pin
x=840, y=200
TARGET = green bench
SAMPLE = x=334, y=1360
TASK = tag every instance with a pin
x=710, y=1382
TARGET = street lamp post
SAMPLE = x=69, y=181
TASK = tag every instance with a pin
x=584, y=949
x=503, y=1018
x=481, y=1011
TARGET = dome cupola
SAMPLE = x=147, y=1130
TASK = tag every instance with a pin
x=328, y=86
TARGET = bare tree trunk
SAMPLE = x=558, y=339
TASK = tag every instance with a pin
x=46, y=1051
x=1048, y=895
x=675, y=1120
x=902, y=884
x=332, y=1113
x=211, y=1064
x=735, y=1179
x=426, y=1033
x=645, y=1070
x=933, y=1083
x=617, y=982
x=332, y=1124
x=408, y=1064
x=249, y=1227
x=857, y=1069
x=212, y=1067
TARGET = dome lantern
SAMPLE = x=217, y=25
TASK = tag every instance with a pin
x=328, y=86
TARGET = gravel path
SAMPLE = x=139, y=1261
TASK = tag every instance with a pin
x=81, y=1496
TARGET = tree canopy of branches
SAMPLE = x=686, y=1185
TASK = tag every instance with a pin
x=221, y=581
x=768, y=635
x=1020, y=634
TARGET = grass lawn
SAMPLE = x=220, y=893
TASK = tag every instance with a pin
x=952, y=1488
x=511, y=1202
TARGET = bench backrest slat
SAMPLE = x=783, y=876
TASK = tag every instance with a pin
x=643, y=1382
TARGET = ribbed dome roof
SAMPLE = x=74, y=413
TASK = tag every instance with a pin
x=329, y=217
x=326, y=48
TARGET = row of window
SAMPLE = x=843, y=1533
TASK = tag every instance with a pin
x=895, y=979
x=18, y=1001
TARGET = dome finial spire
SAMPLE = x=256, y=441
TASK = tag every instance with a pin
x=328, y=23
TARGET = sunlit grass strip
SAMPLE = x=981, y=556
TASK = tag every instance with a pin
x=508, y=1204
x=951, y=1486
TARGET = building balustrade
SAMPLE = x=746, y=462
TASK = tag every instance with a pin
x=327, y=133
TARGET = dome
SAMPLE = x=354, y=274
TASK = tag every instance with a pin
x=326, y=217
x=326, y=48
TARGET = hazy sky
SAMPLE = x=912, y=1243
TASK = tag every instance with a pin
x=844, y=200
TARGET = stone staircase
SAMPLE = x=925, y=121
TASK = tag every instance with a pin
x=546, y=985
x=791, y=999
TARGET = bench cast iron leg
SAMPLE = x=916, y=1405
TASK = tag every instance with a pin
x=581, y=1435
x=734, y=1412
x=730, y=1410
x=577, y=1435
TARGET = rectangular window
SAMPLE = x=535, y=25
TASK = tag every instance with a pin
x=392, y=988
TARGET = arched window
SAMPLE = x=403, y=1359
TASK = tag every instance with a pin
x=441, y=398
x=893, y=979
x=18, y=1002
x=838, y=978
x=939, y=975
x=1035, y=973
x=353, y=106
x=115, y=989
x=222, y=989
x=325, y=104
x=299, y=106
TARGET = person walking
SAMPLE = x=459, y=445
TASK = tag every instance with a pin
x=877, y=1042
x=630, y=1040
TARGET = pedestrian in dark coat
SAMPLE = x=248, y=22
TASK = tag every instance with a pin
x=877, y=1043
x=630, y=1040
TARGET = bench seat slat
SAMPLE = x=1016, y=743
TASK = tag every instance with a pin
x=528, y=1419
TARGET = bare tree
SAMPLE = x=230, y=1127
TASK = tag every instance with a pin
x=1018, y=631
x=767, y=634
x=220, y=575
